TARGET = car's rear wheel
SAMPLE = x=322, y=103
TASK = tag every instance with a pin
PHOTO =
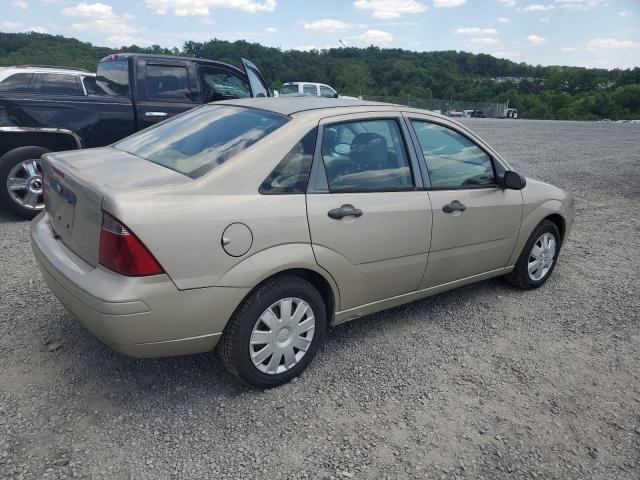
x=21, y=181
x=275, y=333
x=538, y=258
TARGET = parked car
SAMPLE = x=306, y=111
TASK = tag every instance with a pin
x=258, y=224
x=132, y=92
x=511, y=113
x=46, y=79
x=478, y=114
x=308, y=88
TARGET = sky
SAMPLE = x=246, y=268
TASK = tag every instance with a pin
x=590, y=33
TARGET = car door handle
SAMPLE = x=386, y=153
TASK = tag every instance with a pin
x=156, y=114
x=454, y=206
x=349, y=211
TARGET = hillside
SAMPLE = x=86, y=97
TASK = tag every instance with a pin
x=538, y=92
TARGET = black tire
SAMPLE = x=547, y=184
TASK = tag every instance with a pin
x=234, y=344
x=7, y=162
x=519, y=277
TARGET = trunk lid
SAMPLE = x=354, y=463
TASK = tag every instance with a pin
x=76, y=183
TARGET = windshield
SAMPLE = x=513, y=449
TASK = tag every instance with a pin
x=201, y=139
x=291, y=88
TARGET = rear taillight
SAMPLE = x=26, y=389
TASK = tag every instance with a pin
x=122, y=252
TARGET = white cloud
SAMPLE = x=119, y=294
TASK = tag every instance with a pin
x=448, y=3
x=538, y=8
x=306, y=48
x=386, y=9
x=37, y=29
x=504, y=20
x=484, y=41
x=10, y=25
x=22, y=4
x=611, y=43
x=579, y=4
x=503, y=54
x=508, y=3
x=201, y=7
x=371, y=37
x=88, y=10
x=100, y=17
x=125, y=40
x=568, y=49
x=271, y=30
x=536, y=40
x=625, y=13
x=327, y=24
x=475, y=31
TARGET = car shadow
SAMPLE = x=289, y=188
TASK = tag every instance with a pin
x=127, y=380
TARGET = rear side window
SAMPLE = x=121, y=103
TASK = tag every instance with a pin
x=112, y=78
x=57, y=84
x=18, y=82
x=292, y=173
x=167, y=82
x=309, y=89
x=291, y=88
x=372, y=157
x=201, y=139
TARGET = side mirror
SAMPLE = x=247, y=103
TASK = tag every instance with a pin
x=513, y=180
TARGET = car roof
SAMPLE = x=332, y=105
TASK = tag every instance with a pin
x=290, y=105
x=171, y=57
x=44, y=69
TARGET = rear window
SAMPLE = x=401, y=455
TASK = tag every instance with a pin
x=112, y=78
x=201, y=139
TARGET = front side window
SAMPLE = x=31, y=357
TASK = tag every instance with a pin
x=201, y=139
x=112, y=78
x=453, y=161
x=18, y=82
x=367, y=155
x=258, y=86
x=327, y=92
x=219, y=84
x=167, y=82
x=292, y=173
x=57, y=84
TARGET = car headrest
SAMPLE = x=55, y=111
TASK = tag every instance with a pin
x=369, y=151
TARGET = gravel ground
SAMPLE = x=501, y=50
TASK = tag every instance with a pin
x=481, y=382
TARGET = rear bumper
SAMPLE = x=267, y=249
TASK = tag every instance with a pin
x=137, y=316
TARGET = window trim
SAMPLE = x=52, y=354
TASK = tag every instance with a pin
x=423, y=163
x=318, y=181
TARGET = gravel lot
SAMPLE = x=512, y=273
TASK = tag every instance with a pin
x=480, y=382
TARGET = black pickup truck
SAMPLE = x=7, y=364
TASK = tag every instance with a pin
x=132, y=92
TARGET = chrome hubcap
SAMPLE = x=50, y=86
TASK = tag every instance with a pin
x=24, y=184
x=282, y=335
x=541, y=257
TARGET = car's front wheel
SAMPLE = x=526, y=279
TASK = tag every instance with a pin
x=538, y=257
x=21, y=181
x=275, y=333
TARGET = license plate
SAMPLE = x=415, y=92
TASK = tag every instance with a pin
x=62, y=207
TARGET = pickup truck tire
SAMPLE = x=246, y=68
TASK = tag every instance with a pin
x=21, y=181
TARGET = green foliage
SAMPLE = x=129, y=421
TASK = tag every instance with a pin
x=539, y=92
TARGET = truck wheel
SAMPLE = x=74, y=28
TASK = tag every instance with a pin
x=21, y=181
